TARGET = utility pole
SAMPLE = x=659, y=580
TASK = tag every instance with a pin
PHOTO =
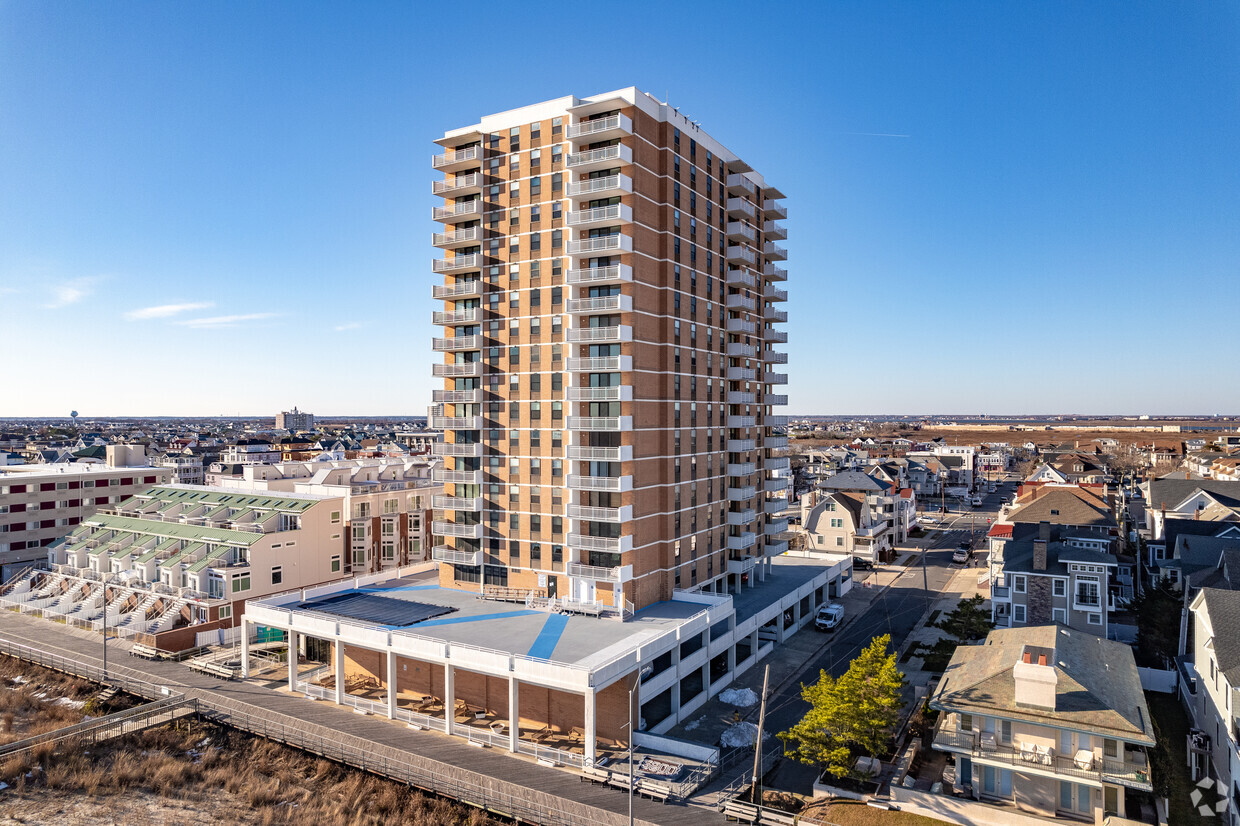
x=755, y=795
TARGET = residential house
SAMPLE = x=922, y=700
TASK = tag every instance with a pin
x=1215, y=693
x=851, y=513
x=1047, y=721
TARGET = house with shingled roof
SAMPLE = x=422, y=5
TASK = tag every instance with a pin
x=1042, y=721
x=1214, y=696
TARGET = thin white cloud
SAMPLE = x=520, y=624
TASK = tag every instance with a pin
x=71, y=292
x=166, y=310
x=215, y=322
x=351, y=325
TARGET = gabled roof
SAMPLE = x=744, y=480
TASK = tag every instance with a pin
x=852, y=480
x=1097, y=686
x=1224, y=610
x=1068, y=505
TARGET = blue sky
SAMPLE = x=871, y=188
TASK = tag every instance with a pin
x=222, y=208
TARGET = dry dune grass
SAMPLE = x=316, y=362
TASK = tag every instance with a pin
x=211, y=768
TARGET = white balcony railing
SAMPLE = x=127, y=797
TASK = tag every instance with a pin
x=457, y=396
x=459, y=183
x=740, y=301
x=598, y=186
x=455, y=422
x=742, y=255
x=775, y=273
x=603, y=544
x=456, y=503
x=741, y=445
x=741, y=421
x=460, y=236
x=618, y=333
x=457, y=212
x=741, y=278
x=449, y=345
x=743, y=208
x=451, y=318
x=604, y=156
x=449, y=371
x=600, y=304
x=738, y=183
x=456, y=263
x=442, y=553
x=738, y=350
x=774, y=209
x=741, y=468
x=461, y=289
x=590, y=513
x=462, y=449
x=577, y=569
x=741, y=374
x=460, y=156
x=740, y=397
x=458, y=529
x=600, y=364
x=742, y=518
x=740, y=325
x=743, y=542
x=602, y=423
x=600, y=128
x=606, y=243
x=773, y=293
x=614, y=274
x=457, y=477
x=612, y=214
x=615, y=393
x=742, y=494
x=611, y=484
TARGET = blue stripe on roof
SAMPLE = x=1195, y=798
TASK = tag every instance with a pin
x=549, y=636
x=474, y=618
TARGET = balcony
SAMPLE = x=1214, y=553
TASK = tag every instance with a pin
x=600, y=423
x=741, y=278
x=463, y=449
x=776, y=548
x=615, y=393
x=775, y=336
x=742, y=518
x=1000, y=592
x=743, y=542
x=742, y=255
x=738, y=184
x=741, y=445
x=601, y=246
x=772, y=357
x=594, y=514
x=601, y=129
x=775, y=400
x=442, y=553
x=456, y=161
x=453, y=317
x=610, y=484
x=456, y=343
x=602, y=544
x=742, y=566
x=776, y=505
x=740, y=208
x=456, y=503
x=774, y=273
x=773, y=293
x=774, y=209
x=775, y=442
x=741, y=374
x=458, y=213
x=614, y=274
x=604, y=158
x=604, y=216
x=1134, y=772
x=452, y=371
x=741, y=326
x=457, y=477
x=738, y=231
x=590, y=453
x=459, y=238
x=458, y=529
x=457, y=396
x=740, y=397
x=772, y=250
x=742, y=494
x=457, y=263
x=775, y=527
x=777, y=462
x=739, y=301
x=471, y=288
x=776, y=421
x=470, y=184
x=774, y=378
x=734, y=422
x=741, y=468
x=736, y=349
x=773, y=314
x=600, y=364
x=774, y=231
x=596, y=188
x=600, y=304
x=580, y=571
x=455, y=422
x=601, y=335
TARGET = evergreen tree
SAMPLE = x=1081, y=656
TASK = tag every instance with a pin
x=968, y=621
x=856, y=713
x=1158, y=621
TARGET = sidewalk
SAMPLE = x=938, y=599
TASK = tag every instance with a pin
x=964, y=585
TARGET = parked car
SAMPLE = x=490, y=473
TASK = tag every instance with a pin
x=962, y=553
x=862, y=564
x=829, y=617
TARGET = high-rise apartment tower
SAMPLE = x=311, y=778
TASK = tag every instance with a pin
x=611, y=288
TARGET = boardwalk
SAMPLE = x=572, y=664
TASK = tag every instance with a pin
x=499, y=779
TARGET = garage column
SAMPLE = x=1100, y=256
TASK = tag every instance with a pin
x=338, y=669
x=391, y=684
x=591, y=727
x=514, y=714
x=293, y=645
x=245, y=649
x=449, y=696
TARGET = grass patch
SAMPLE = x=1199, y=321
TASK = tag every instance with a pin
x=1169, y=760
x=858, y=814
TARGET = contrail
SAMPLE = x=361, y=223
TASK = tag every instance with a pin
x=875, y=134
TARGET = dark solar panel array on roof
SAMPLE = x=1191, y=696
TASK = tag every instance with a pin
x=376, y=609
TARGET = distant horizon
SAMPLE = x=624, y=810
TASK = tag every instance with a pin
x=326, y=417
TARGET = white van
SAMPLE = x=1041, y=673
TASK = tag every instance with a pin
x=829, y=617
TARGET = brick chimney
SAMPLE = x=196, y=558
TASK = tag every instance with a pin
x=1039, y=554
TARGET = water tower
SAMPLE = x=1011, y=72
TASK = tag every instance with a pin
x=73, y=414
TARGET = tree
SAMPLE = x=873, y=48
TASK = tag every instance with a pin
x=856, y=713
x=968, y=621
x=1158, y=621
